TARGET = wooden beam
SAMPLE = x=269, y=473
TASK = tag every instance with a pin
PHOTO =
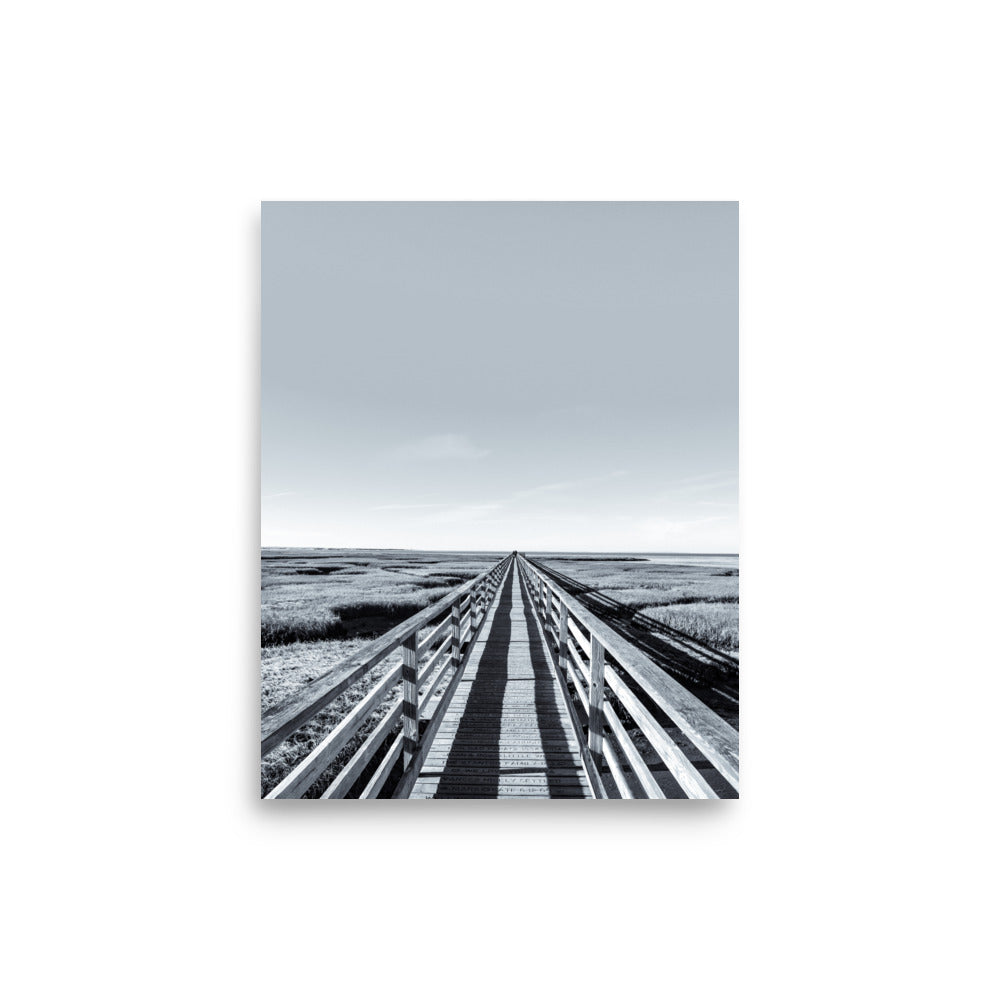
x=616, y=771
x=563, y=636
x=434, y=683
x=302, y=776
x=411, y=725
x=638, y=765
x=341, y=785
x=441, y=630
x=578, y=635
x=384, y=769
x=596, y=722
x=687, y=775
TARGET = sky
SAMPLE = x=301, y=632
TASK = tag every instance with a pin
x=540, y=376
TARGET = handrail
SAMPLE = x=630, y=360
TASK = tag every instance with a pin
x=282, y=720
x=567, y=623
x=464, y=611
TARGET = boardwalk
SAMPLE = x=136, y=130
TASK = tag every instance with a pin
x=507, y=732
x=509, y=687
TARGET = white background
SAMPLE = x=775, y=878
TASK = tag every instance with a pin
x=859, y=139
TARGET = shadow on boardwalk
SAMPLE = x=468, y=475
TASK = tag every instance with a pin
x=479, y=728
x=548, y=698
x=514, y=724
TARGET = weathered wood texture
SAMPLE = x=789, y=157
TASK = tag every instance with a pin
x=507, y=732
x=410, y=721
x=595, y=726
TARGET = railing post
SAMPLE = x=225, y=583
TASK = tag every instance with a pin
x=595, y=739
x=411, y=723
x=563, y=637
x=456, y=635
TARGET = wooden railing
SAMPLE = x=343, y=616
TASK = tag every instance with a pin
x=422, y=668
x=596, y=659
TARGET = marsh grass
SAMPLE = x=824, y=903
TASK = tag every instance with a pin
x=305, y=592
x=716, y=623
x=698, y=599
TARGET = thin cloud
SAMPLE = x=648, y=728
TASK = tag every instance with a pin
x=283, y=493
x=546, y=488
x=443, y=513
x=707, y=483
x=661, y=529
x=441, y=448
x=463, y=513
x=572, y=484
x=406, y=506
x=707, y=479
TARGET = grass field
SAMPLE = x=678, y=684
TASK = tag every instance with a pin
x=699, y=596
x=319, y=606
x=313, y=594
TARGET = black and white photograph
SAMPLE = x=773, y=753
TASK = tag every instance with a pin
x=499, y=553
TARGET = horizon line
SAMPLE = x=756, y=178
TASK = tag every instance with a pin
x=403, y=548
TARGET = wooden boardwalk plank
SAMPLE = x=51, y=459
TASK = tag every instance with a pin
x=507, y=732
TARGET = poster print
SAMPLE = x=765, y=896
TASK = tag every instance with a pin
x=499, y=525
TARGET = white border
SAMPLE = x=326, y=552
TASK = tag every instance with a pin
x=141, y=142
